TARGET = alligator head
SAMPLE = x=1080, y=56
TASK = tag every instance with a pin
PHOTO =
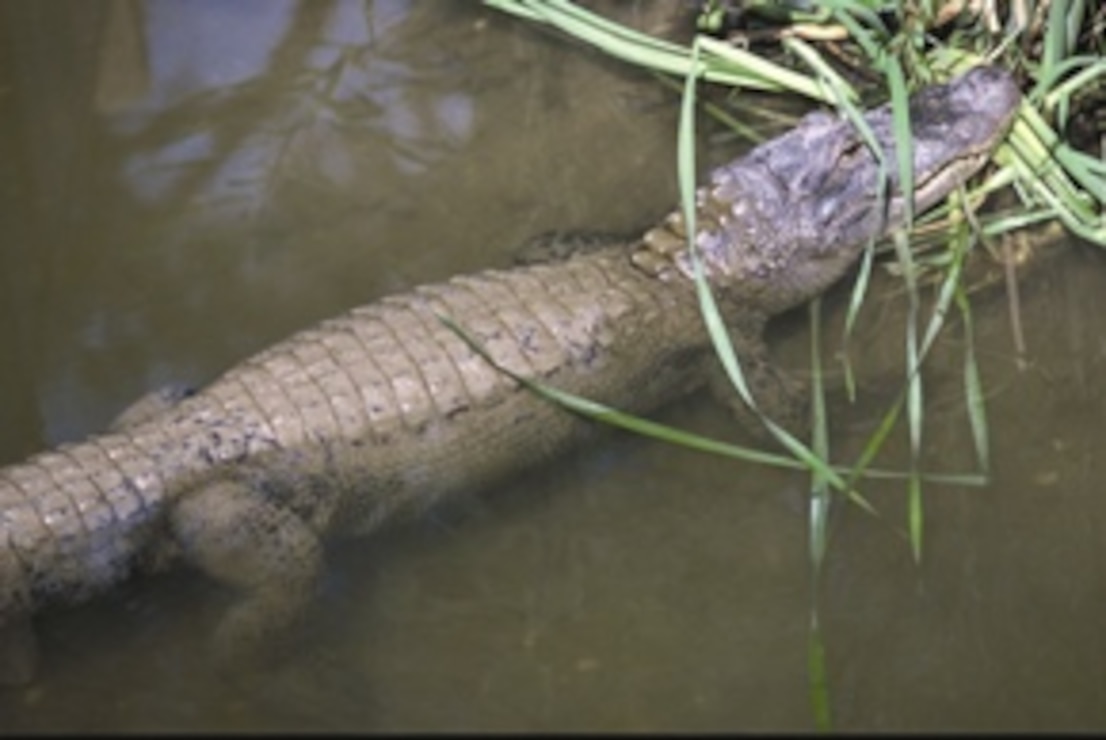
x=782, y=223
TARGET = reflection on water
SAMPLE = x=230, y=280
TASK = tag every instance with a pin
x=270, y=149
x=350, y=86
x=192, y=180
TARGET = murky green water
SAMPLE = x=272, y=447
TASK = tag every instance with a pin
x=187, y=182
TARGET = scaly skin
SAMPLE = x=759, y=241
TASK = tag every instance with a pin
x=384, y=410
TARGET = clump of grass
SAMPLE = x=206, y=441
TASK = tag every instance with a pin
x=809, y=54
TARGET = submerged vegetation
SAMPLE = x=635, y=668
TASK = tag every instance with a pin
x=838, y=53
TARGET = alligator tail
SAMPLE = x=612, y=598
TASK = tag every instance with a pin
x=71, y=523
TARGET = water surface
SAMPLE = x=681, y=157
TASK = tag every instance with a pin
x=191, y=181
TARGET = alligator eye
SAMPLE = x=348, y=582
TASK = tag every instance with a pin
x=854, y=150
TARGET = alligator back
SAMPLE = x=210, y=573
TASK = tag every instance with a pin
x=389, y=409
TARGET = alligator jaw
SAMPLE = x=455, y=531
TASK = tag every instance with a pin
x=954, y=130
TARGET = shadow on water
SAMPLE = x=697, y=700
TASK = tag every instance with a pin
x=194, y=180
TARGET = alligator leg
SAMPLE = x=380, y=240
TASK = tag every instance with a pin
x=264, y=552
x=18, y=648
x=777, y=395
x=557, y=246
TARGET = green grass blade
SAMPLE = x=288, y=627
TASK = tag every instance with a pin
x=771, y=75
x=1060, y=82
x=915, y=516
x=900, y=118
x=834, y=87
x=817, y=676
x=864, y=26
x=904, y=141
x=607, y=415
x=914, y=393
x=820, y=492
x=973, y=388
x=856, y=302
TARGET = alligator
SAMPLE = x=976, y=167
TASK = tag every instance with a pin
x=384, y=410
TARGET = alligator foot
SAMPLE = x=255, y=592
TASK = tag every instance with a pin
x=779, y=397
x=264, y=552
